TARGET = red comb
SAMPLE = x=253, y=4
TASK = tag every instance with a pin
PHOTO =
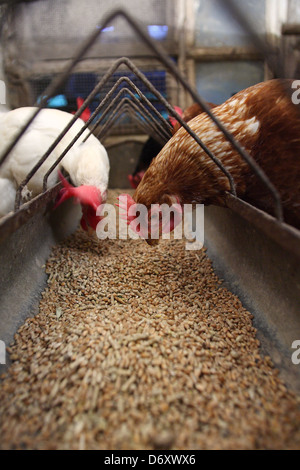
x=172, y=119
x=86, y=195
x=86, y=114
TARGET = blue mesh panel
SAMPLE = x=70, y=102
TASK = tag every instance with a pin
x=81, y=84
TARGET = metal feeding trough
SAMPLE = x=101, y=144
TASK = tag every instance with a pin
x=255, y=253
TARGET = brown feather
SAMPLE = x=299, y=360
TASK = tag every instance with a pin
x=264, y=120
x=191, y=112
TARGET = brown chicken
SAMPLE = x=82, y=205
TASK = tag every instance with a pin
x=267, y=124
x=152, y=147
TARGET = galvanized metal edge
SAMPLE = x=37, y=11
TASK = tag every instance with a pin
x=13, y=221
x=285, y=235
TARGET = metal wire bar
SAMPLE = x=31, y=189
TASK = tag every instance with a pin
x=165, y=124
x=57, y=83
x=127, y=108
x=155, y=92
x=167, y=61
x=172, y=112
x=133, y=115
x=123, y=109
x=143, y=111
x=70, y=145
x=64, y=131
x=111, y=118
x=163, y=57
x=105, y=78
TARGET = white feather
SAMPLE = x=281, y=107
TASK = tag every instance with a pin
x=7, y=196
x=86, y=162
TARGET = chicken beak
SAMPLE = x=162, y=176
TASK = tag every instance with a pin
x=152, y=241
x=90, y=231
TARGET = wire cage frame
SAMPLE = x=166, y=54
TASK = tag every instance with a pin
x=135, y=107
x=81, y=83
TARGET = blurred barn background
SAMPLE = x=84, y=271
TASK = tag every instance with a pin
x=212, y=50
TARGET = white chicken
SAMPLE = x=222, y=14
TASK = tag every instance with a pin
x=7, y=196
x=86, y=162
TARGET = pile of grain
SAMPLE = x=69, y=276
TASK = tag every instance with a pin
x=141, y=348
